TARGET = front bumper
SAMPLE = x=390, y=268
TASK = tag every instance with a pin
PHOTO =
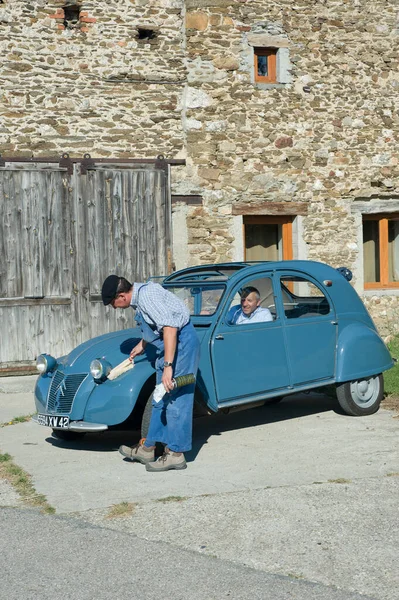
x=83, y=426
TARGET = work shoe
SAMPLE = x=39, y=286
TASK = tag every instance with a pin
x=168, y=460
x=138, y=453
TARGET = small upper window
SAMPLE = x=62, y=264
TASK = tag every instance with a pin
x=265, y=65
x=72, y=15
x=146, y=34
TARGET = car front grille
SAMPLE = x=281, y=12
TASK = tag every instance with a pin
x=62, y=392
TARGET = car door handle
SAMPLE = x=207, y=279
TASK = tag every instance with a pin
x=334, y=322
x=219, y=337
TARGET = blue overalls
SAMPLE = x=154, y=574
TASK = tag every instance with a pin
x=172, y=418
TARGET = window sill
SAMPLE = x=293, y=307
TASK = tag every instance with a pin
x=381, y=292
x=269, y=86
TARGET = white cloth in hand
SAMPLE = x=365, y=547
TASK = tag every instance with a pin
x=159, y=392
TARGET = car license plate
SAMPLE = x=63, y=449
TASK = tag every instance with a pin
x=55, y=421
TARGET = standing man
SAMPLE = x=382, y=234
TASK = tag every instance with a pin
x=164, y=321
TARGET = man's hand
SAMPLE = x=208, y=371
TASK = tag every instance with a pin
x=167, y=376
x=137, y=350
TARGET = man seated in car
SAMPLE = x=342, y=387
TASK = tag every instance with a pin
x=250, y=310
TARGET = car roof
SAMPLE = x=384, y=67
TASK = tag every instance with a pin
x=225, y=271
x=334, y=283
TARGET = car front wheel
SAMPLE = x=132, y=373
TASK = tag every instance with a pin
x=145, y=421
x=362, y=396
x=199, y=410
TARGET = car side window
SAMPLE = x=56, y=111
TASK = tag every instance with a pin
x=302, y=298
x=199, y=299
x=253, y=303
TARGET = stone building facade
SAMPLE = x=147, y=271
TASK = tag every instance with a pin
x=306, y=161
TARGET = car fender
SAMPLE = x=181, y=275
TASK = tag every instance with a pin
x=360, y=353
x=41, y=391
x=112, y=402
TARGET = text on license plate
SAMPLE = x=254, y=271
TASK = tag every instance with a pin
x=53, y=421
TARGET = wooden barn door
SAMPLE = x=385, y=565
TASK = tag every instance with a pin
x=123, y=227
x=60, y=236
x=36, y=269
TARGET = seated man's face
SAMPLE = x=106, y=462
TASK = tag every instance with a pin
x=249, y=304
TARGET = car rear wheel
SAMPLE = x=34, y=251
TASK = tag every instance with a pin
x=67, y=436
x=362, y=396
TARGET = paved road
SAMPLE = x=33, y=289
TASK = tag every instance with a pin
x=293, y=491
x=54, y=558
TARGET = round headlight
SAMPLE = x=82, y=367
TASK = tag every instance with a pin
x=99, y=369
x=45, y=363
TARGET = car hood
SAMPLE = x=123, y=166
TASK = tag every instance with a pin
x=114, y=347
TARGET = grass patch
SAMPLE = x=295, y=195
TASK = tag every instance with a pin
x=392, y=475
x=172, y=499
x=339, y=480
x=123, y=509
x=391, y=377
x=22, y=483
x=22, y=419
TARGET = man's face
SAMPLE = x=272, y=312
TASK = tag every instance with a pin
x=121, y=301
x=250, y=303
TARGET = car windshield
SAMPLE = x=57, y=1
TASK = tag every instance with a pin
x=201, y=300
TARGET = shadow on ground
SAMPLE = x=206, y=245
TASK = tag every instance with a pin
x=292, y=407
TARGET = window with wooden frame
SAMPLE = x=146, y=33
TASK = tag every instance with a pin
x=267, y=237
x=381, y=251
x=265, y=65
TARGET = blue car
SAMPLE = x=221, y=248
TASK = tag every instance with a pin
x=317, y=333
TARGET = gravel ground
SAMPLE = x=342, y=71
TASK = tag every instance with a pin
x=340, y=534
x=55, y=558
x=8, y=497
x=311, y=496
x=391, y=403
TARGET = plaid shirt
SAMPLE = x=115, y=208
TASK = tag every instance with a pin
x=159, y=307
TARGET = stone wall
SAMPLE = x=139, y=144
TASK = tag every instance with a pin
x=327, y=138
x=143, y=77
x=385, y=310
x=92, y=86
x=326, y=145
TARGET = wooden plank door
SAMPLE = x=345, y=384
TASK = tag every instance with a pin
x=60, y=236
x=36, y=241
x=123, y=227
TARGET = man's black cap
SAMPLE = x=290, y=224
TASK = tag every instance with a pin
x=110, y=286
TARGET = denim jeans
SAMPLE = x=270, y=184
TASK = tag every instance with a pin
x=172, y=417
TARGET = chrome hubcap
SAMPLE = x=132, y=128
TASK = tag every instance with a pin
x=365, y=392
